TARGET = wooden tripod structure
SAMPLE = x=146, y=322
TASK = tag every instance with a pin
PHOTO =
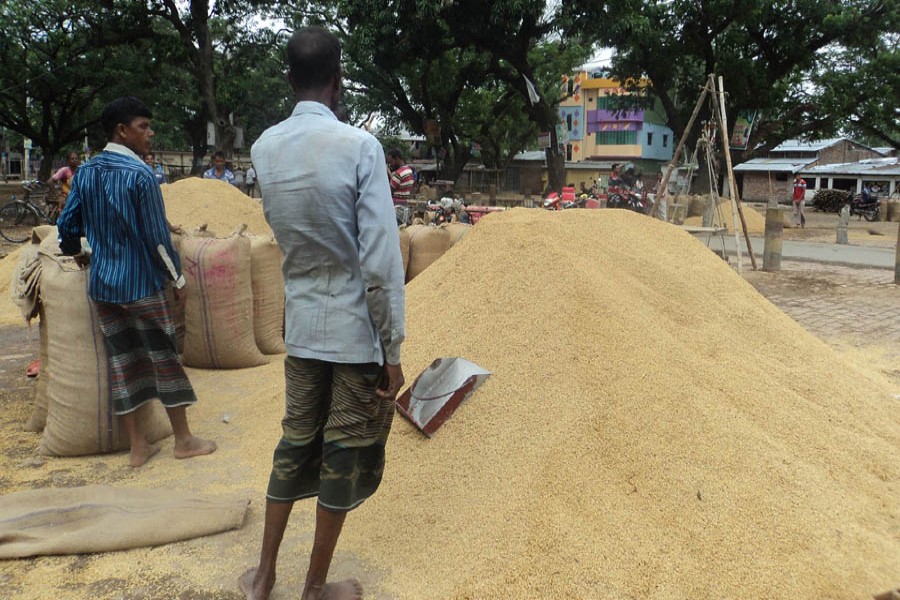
x=717, y=99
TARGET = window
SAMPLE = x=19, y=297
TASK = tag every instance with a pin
x=781, y=177
x=649, y=138
x=569, y=122
x=570, y=88
x=616, y=138
x=568, y=151
x=665, y=140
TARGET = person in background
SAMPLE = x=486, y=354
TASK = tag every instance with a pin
x=62, y=179
x=116, y=203
x=799, y=200
x=326, y=196
x=158, y=172
x=615, y=178
x=402, y=179
x=218, y=170
x=250, y=181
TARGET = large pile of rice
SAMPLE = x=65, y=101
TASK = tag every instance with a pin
x=653, y=428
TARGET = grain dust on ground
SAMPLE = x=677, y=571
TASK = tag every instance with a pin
x=645, y=432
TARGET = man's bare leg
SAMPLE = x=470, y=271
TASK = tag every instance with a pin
x=257, y=583
x=141, y=450
x=328, y=528
x=186, y=443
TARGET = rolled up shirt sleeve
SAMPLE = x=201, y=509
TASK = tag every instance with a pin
x=379, y=251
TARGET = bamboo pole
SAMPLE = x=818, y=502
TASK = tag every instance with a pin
x=663, y=194
x=723, y=122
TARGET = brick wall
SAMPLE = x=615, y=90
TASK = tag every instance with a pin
x=757, y=189
x=844, y=152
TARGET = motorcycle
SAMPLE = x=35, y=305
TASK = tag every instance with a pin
x=865, y=207
x=627, y=198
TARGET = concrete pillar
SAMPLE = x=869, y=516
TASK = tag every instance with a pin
x=843, y=224
x=897, y=260
x=773, y=239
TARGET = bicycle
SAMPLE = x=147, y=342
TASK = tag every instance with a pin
x=20, y=216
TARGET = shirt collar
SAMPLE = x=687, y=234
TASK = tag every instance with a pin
x=305, y=107
x=120, y=149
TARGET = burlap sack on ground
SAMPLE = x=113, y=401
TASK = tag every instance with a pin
x=457, y=231
x=893, y=211
x=428, y=244
x=219, y=310
x=80, y=418
x=268, y=294
x=101, y=518
x=38, y=419
x=406, y=234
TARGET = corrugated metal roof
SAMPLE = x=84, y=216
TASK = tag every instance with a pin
x=805, y=146
x=775, y=165
x=866, y=168
x=531, y=155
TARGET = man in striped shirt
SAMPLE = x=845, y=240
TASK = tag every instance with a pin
x=402, y=179
x=116, y=203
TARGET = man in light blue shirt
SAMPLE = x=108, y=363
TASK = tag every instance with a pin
x=326, y=196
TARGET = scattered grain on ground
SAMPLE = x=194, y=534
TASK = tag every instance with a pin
x=645, y=433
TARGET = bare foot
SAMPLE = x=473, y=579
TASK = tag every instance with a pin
x=253, y=589
x=194, y=446
x=142, y=453
x=349, y=589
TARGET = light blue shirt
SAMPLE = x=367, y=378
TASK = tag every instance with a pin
x=326, y=196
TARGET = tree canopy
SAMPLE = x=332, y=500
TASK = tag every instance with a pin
x=486, y=71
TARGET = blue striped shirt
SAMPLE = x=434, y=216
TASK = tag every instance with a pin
x=117, y=205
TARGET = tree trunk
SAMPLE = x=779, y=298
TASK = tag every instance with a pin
x=46, y=167
x=206, y=79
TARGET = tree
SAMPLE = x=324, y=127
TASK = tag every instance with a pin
x=765, y=49
x=61, y=60
x=531, y=48
x=859, y=88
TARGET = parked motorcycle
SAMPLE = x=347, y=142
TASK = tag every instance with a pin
x=865, y=207
x=627, y=198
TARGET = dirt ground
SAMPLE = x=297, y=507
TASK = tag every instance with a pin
x=856, y=310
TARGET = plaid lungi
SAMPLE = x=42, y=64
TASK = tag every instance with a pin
x=335, y=429
x=141, y=350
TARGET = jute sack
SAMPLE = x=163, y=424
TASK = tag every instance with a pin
x=177, y=300
x=406, y=234
x=457, y=231
x=893, y=211
x=38, y=419
x=80, y=417
x=426, y=246
x=268, y=294
x=219, y=311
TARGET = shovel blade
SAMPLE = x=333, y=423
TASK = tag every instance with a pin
x=438, y=391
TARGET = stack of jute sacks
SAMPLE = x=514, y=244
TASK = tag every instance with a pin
x=230, y=314
x=421, y=245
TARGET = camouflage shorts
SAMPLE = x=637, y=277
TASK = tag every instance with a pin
x=334, y=432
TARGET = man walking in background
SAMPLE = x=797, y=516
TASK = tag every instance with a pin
x=799, y=200
x=116, y=203
x=326, y=196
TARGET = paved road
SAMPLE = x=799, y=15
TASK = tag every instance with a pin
x=836, y=254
